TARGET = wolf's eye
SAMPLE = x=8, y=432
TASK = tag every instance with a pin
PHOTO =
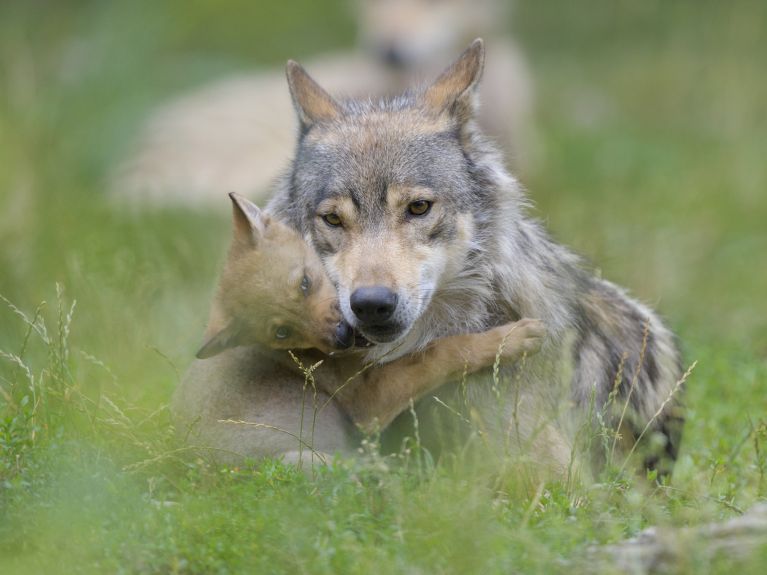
x=419, y=207
x=282, y=332
x=331, y=219
x=306, y=284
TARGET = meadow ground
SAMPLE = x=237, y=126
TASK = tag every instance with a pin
x=653, y=134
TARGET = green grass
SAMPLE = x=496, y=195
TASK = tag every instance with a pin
x=653, y=133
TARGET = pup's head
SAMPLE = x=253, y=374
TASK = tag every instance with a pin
x=273, y=291
x=387, y=193
x=415, y=35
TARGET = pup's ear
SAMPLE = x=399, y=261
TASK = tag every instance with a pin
x=249, y=221
x=313, y=104
x=218, y=340
x=454, y=91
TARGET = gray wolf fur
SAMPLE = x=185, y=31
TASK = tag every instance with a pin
x=474, y=258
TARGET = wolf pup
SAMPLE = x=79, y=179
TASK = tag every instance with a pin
x=425, y=235
x=273, y=293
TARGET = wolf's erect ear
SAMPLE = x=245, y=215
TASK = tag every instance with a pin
x=218, y=340
x=313, y=104
x=249, y=221
x=454, y=90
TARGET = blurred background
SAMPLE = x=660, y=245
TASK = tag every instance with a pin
x=648, y=131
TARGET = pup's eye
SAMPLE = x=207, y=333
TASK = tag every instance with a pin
x=419, y=207
x=333, y=220
x=306, y=284
x=282, y=332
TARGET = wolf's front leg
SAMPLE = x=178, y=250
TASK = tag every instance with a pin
x=388, y=389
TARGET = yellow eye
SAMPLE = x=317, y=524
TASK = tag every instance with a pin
x=419, y=207
x=333, y=220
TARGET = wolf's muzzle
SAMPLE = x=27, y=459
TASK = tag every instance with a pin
x=393, y=57
x=375, y=311
x=373, y=306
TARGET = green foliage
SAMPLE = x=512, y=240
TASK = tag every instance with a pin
x=651, y=162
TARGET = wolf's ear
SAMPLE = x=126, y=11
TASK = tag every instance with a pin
x=218, y=340
x=249, y=221
x=454, y=90
x=313, y=104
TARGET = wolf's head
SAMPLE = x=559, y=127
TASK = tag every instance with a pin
x=273, y=291
x=415, y=35
x=387, y=193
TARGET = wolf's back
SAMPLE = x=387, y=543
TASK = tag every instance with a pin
x=606, y=348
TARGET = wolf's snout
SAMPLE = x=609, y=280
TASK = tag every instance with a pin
x=344, y=335
x=392, y=56
x=373, y=305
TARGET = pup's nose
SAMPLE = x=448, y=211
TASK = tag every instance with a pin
x=373, y=305
x=344, y=335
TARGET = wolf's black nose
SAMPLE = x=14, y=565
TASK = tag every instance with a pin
x=392, y=57
x=373, y=305
x=344, y=335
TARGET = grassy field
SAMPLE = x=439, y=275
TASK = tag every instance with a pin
x=653, y=129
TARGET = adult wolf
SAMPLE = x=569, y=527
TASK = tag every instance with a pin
x=425, y=234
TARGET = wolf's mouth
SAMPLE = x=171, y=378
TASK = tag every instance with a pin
x=361, y=341
x=381, y=334
x=346, y=337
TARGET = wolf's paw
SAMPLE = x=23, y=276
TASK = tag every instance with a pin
x=520, y=337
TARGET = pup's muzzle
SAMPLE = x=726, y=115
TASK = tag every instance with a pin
x=344, y=335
